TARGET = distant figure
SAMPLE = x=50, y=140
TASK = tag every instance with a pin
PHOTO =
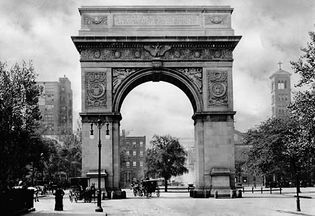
x=93, y=191
x=36, y=191
x=58, y=199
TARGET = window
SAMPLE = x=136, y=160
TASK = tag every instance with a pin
x=141, y=163
x=127, y=153
x=141, y=143
x=141, y=153
x=280, y=85
x=134, y=153
x=134, y=163
x=134, y=143
x=127, y=164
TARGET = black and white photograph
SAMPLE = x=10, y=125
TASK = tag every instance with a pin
x=157, y=107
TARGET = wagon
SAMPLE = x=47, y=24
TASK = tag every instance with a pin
x=79, y=190
x=151, y=186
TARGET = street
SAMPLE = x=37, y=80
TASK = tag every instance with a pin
x=179, y=204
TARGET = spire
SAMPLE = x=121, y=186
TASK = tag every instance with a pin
x=279, y=63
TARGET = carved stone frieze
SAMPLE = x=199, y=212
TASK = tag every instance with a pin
x=194, y=74
x=217, y=88
x=95, y=85
x=119, y=74
x=95, y=20
x=151, y=52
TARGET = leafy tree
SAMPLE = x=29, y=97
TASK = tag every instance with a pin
x=286, y=146
x=19, y=117
x=303, y=107
x=71, y=155
x=61, y=158
x=166, y=158
x=279, y=150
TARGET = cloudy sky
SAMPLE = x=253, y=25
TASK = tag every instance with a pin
x=272, y=31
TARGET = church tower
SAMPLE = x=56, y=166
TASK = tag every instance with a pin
x=280, y=92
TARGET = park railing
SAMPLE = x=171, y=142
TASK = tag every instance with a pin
x=262, y=190
x=16, y=201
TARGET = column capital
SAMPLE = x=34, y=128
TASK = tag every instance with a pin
x=214, y=116
x=91, y=117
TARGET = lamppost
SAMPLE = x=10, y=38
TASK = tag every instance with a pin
x=99, y=125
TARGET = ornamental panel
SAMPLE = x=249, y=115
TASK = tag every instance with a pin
x=217, y=88
x=95, y=20
x=95, y=85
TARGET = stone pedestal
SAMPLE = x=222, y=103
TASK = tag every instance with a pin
x=220, y=182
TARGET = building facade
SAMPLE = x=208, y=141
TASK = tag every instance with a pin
x=280, y=92
x=132, y=158
x=55, y=104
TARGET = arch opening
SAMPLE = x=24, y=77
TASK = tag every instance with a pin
x=157, y=75
x=156, y=108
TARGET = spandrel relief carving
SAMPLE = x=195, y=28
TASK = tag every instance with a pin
x=217, y=88
x=95, y=84
x=195, y=75
x=119, y=74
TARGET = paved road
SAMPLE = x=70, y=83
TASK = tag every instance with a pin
x=180, y=204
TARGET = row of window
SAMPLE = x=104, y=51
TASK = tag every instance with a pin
x=134, y=143
x=280, y=98
x=280, y=111
x=134, y=163
x=134, y=153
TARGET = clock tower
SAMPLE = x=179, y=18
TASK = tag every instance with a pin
x=280, y=92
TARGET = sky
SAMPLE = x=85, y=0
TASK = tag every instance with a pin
x=272, y=31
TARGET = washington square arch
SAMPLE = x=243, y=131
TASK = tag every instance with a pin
x=189, y=47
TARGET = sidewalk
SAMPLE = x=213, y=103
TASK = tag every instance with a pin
x=180, y=204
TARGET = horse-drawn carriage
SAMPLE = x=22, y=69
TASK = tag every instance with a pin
x=79, y=190
x=146, y=188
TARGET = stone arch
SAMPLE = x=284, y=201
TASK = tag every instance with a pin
x=189, y=47
x=162, y=74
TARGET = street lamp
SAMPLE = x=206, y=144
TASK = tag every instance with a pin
x=99, y=125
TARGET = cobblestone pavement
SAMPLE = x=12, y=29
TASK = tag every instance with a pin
x=180, y=204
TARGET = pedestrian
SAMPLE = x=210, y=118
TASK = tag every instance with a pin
x=58, y=199
x=36, y=194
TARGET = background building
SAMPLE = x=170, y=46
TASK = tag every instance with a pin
x=132, y=156
x=55, y=104
x=280, y=92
